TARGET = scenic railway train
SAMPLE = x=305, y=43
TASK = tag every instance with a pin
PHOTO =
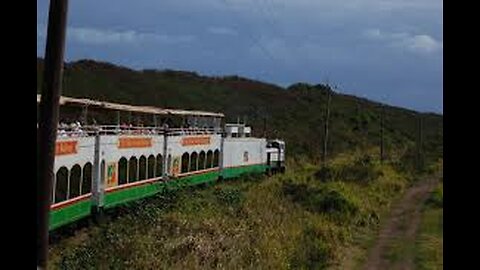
x=100, y=165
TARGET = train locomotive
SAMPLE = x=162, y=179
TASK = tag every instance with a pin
x=100, y=166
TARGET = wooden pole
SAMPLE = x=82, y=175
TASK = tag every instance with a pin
x=420, y=143
x=48, y=122
x=325, y=136
x=382, y=127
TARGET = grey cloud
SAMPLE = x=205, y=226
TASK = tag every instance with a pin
x=420, y=43
x=102, y=36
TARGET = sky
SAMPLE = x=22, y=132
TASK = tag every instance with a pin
x=386, y=50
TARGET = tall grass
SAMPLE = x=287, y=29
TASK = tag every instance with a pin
x=429, y=245
x=289, y=221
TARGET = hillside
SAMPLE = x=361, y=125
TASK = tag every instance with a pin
x=295, y=113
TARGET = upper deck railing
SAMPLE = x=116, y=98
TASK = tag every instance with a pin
x=85, y=131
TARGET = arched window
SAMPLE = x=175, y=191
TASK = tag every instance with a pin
x=61, y=185
x=193, y=162
x=142, y=168
x=185, y=162
x=87, y=179
x=122, y=171
x=201, y=160
x=159, y=166
x=215, y=158
x=75, y=177
x=102, y=172
x=151, y=167
x=132, y=170
x=209, y=159
x=169, y=164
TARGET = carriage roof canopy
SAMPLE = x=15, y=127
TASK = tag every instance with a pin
x=125, y=107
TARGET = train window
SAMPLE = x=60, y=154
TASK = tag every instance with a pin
x=185, y=162
x=61, y=185
x=102, y=172
x=132, y=170
x=245, y=156
x=215, y=158
x=201, y=161
x=87, y=178
x=151, y=167
x=158, y=168
x=193, y=162
x=142, y=168
x=169, y=163
x=209, y=159
x=75, y=176
x=122, y=171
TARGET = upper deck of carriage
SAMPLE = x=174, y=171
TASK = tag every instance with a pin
x=96, y=118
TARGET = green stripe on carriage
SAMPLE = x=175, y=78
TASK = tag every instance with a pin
x=125, y=195
x=195, y=179
x=237, y=171
x=69, y=213
x=121, y=196
x=82, y=209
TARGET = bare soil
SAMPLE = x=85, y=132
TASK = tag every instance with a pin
x=400, y=229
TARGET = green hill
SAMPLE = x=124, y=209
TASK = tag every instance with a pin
x=295, y=113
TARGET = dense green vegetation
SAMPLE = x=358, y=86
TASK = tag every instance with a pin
x=295, y=114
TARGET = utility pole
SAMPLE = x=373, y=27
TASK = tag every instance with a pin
x=325, y=136
x=382, y=127
x=48, y=121
x=420, y=143
x=265, y=127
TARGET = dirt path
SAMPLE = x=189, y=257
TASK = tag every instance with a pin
x=393, y=248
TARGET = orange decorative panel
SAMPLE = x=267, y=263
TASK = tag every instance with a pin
x=112, y=174
x=66, y=148
x=197, y=140
x=134, y=142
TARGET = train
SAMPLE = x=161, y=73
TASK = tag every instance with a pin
x=99, y=165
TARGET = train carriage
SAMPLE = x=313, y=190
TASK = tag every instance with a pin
x=101, y=166
x=241, y=152
x=71, y=196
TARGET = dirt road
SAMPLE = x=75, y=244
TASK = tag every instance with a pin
x=393, y=246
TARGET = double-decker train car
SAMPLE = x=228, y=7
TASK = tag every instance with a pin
x=101, y=166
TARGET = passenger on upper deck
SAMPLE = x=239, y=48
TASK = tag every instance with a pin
x=62, y=129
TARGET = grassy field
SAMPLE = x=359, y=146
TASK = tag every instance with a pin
x=305, y=219
x=429, y=246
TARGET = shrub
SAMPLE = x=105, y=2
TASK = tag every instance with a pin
x=436, y=198
x=362, y=170
x=320, y=200
x=325, y=174
x=312, y=251
x=331, y=201
x=229, y=196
